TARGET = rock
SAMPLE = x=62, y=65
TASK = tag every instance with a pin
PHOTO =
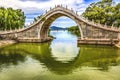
x=6, y=42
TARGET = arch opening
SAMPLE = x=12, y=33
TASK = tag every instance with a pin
x=59, y=46
x=49, y=19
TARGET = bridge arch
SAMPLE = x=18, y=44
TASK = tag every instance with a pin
x=91, y=32
x=51, y=17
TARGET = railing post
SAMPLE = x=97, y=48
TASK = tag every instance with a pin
x=23, y=28
x=45, y=11
x=58, y=5
x=76, y=13
x=15, y=29
x=5, y=30
x=93, y=21
x=72, y=9
x=112, y=26
x=19, y=28
x=118, y=27
x=99, y=23
x=66, y=6
x=105, y=25
x=10, y=29
x=50, y=8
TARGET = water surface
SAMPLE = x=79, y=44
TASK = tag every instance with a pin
x=61, y=59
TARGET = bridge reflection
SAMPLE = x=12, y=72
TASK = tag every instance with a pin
x=98, y=57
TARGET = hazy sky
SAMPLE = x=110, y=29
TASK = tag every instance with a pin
x=33, y=8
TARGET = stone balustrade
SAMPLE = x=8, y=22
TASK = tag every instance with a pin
x=39, y=29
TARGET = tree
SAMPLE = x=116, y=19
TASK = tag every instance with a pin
x=117, y=15
x=104, y=12
x=38, y=17
x=11, y=19
x=74, y=30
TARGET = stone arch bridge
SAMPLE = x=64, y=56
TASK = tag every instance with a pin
x=91, y=33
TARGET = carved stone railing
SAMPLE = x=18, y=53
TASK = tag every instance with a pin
x=69, y=11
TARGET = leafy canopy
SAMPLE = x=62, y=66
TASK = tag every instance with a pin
x=11, y=19
x=104, y=12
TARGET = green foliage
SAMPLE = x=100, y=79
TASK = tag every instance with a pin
x=11, y=19
x=49, y=35
x=74, y=30
x=39, y=17
x=43, y=19
x=104, y=12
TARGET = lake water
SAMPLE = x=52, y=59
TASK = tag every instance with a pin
x=60, y=59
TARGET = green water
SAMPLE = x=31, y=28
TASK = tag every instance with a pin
x=60, y=59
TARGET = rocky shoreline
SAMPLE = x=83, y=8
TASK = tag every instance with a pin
x=9, y=42
x=6, y=42
x=118, y=45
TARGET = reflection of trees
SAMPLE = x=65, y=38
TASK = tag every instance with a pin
x=99, y=56
x=51, y=63
x=92, y=56
x=11, y=57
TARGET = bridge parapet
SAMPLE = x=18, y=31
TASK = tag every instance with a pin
x=83, y=18
x=38, y=29
x=71, y=11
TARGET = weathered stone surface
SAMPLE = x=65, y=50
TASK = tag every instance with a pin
x=39, y=30
x=6, y=42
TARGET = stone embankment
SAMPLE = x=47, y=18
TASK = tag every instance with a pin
x=6, y=42
x=118, y=45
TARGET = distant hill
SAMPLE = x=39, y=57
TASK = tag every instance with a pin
x=57, y=28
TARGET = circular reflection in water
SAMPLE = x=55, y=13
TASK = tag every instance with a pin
x=34, y=61
x=64, y=47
